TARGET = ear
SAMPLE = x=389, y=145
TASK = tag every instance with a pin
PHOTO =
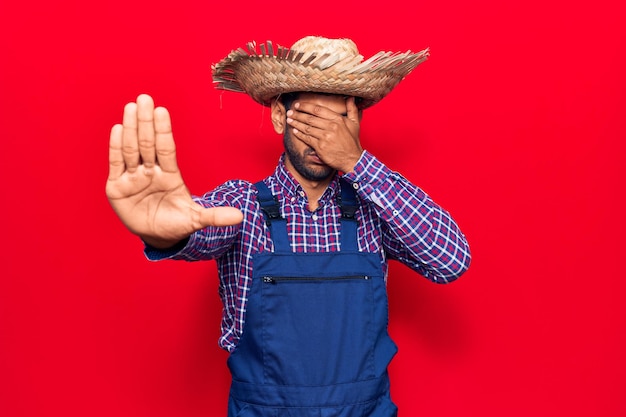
x=279, y=116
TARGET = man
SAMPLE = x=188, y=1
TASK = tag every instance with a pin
x=302, y=255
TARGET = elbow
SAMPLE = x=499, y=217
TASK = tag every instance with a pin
x=458, y=265
x=462, y=266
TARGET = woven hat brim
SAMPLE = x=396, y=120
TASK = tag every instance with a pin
x=275, y=70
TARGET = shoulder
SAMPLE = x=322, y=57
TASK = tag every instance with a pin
x=234, y=186
x=236, y=193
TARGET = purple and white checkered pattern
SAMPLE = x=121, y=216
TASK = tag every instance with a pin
x=396, y=218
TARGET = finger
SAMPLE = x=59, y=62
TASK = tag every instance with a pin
x=145, y=130
x=308, y=140
x=130, y=148
x=221, y=216
x=305, y=121
x=303, y=129
x=164, y=140
x=315, y=110
x=354, y=116
x=353, y=110
x=116, y=159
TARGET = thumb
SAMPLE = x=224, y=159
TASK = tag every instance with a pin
x=353, y=110
x=221, y=216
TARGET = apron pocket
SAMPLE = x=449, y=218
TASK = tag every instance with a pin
x=317, y=331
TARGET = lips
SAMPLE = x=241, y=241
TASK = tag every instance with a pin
x=316, y=159
x=311, y=154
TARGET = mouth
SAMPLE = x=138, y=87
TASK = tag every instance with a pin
x=312, y=156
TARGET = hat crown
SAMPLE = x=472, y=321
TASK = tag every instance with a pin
x=338, y=48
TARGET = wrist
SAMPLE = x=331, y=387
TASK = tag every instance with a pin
x=163, y=244
x=352, y=162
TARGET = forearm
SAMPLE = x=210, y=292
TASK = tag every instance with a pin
x=206, y=244
x=416, y=231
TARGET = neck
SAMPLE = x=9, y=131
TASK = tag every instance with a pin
x=313, y=188
x=314, y=191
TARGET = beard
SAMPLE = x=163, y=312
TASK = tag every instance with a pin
x=311, y=172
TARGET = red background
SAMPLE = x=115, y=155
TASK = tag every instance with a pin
x=516, y=125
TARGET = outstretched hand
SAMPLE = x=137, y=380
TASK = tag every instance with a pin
x=145, y=186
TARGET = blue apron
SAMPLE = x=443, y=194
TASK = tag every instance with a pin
x=315, y=341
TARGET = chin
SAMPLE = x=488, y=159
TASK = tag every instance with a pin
x=318, y=175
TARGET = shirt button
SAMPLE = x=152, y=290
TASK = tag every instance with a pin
x=293, y=199
x=355, y=185
x=396, y=212
x=302, y=193
x=314, y=217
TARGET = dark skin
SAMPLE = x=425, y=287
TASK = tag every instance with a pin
x=325, y=132
x=145, y=186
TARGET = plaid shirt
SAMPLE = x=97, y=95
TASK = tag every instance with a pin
x=396, y=219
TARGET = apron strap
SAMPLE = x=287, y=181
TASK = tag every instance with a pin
x=273, y=219
x=348, y=205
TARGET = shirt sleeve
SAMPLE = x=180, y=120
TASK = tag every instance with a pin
x=210, y=242
x=416, y=231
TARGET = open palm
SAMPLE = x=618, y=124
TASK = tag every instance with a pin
x=145, y=186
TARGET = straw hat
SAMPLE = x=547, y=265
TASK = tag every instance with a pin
x=313, y=64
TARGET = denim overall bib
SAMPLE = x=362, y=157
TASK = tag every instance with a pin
x=315, y=340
